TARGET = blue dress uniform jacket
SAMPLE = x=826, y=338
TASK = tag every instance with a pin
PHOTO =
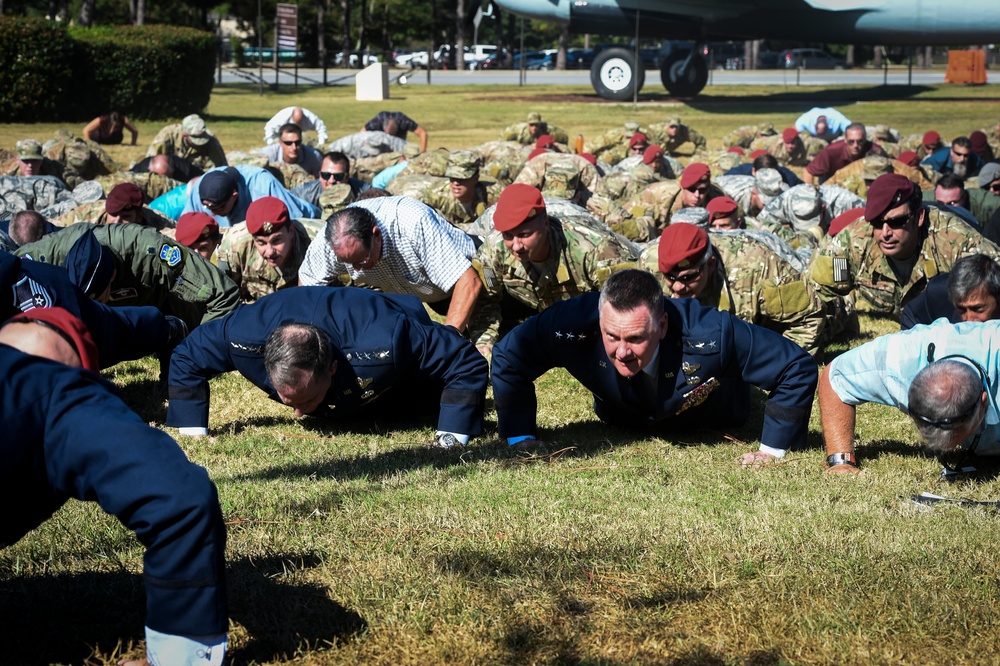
x=380, y=342
x=121, y=334
x=67, y=434
x=707, y=362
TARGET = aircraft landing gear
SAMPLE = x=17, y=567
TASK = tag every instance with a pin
x=614, y=74
x=684, y=73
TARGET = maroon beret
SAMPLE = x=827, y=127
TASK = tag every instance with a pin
x=931, y=138
x=737, y=150
x=695, y=173
x=652, y=154
x=192, y=226
x=721, y=207
x=789, y=134
x=978, y=141
x=637, y=139
x=682, y=246
x=885, y=193
x=589, y=157
x=518, y=203
x=757, y=153
x=909, y=158
x=536, y=152
x=266, y=215
x=838, y=223
x=124, y=195
x=545, y=141
x=70, y=328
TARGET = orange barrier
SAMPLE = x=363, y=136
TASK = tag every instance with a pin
x=966, y=67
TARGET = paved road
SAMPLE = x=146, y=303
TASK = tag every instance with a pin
x=308, y=77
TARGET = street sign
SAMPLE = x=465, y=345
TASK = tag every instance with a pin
x=288, y=26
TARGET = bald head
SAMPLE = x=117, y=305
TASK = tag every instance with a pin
x=161, y=164
x=297, y=116
x=39, y=340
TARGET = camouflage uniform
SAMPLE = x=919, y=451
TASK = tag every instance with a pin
x=501, y=160
x=521, y=133
x=438, y=196
x=856, y=176
x=534, y=172
x=756, y=285
x=851, y=265
x=740, y=189
x=804, y=152
x=721, y=161
x=168, y=141
x=292, y=175
x=239, y=258
x=431, y=163
x=886, y=137
x=366, y=144
x=95, y=213
x=153, y=185
x=915, y=142
x=670, y=168
x=366, y=168
x=612, y=146
x=83, y=160
x=806, y=211
x=19, y=193
x=746, y=135
x=992, y=137
x=151, y=269
x=413, y=185
x=336, y=197
x=580, y=260
x=624, y=184
x=660, y=201
x=48, y=168
x=658, y=136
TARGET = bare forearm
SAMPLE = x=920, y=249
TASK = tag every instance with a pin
x=838, y=417
x=463, y=300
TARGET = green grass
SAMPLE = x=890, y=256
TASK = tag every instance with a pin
x=348, y=544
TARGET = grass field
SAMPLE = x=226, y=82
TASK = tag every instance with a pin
x=348, y=544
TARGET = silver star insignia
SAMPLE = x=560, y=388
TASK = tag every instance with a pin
x=559, y=334
x=570, y=336
x=711, y=345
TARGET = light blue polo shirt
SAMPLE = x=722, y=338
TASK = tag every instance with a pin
x=881, y=371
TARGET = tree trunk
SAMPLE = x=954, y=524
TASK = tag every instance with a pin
x=362, y=24
x=459, y=34
x=563, y=46
x=345, y=32
x=321, y=31
x=849, y=57
x=878, y=57
x=87, y=13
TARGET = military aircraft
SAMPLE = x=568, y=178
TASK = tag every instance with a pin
x=684, y=73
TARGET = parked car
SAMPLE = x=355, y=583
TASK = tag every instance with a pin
x=810, y=59
x=532, y=59
x=765, y=60
x=355, y=60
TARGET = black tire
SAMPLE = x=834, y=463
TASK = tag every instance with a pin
x=692, y=82
x=614, y=74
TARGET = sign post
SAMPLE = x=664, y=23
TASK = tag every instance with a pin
x=287, y=22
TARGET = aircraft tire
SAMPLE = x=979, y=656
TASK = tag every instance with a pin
x=614, y=74
x=688, y=84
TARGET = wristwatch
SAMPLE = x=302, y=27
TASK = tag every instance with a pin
x=835, y=459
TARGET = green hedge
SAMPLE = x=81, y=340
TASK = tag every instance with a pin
x=37, y=60
x=51, y=74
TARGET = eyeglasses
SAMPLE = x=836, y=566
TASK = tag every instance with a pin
x=339, y=177
x=855, y=142
x=700, y=189
x=292, y=143
x=687, y=278
x=895, y=223
x=958, y=154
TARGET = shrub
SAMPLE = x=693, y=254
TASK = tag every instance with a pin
x=37, y=59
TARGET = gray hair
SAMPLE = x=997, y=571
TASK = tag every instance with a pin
x=945, y=389
x=630, y=289
x=295, y=349
x=27, y=226
x=857, y=126
x=969, y=274
x=351, y=222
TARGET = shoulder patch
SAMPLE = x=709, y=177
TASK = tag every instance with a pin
x=170, y=255
x=29, y=295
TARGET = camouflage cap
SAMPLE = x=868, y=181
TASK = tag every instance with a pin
x=336, y=197
x=768, y=184
x=673, y=121
x=766, y=129
x=631, y=127
x=561, y=181
x=875, y=166
x=695, y=215
x=195, y=129
x=882, y=132
x=463, y=164
x=806, y=206
x=534, y=118
x=29, y=149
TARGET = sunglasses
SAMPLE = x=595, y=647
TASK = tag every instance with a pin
x=855, y=142
x=687, y=278
x=292, y=143
x=895, y=223
x=339, y=177
x=700, y=189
